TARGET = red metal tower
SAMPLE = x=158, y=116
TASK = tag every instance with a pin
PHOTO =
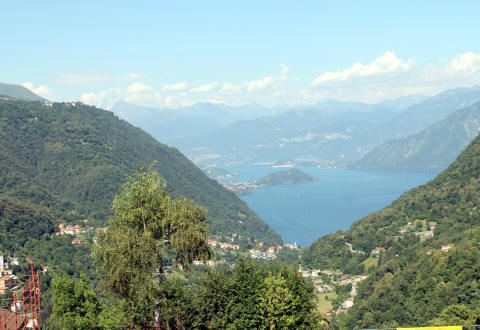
x=21, y=301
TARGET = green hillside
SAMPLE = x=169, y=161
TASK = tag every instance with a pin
x=411, y=287
x=66, y=162
x=417, y=289
x=293, y=175
x=433, y=149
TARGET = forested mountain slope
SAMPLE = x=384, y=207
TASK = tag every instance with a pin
x=67, y=161
x=433, y=149
x=420, y=290
x=411, y=287
x=451, y=200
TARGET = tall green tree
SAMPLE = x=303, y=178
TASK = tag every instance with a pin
x=74, y=305
x=253, y=295
x=275, y=303
x=146, y=225
x=457, y=315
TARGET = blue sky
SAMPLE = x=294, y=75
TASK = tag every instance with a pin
x=175, y=53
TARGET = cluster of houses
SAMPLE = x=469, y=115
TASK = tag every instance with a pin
x=319, y=288
x=224, y=246
x=64, y=229
x=209, y=263
x=270, y=252
x=340, y=279
x=257, y=254
x=293, y=246
x=423, y=235
x=254, y=253
x=7, y=279
x=11, y=316
x=336, y=278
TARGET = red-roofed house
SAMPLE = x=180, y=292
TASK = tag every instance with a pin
x=272, y=249
x=377, y=250
x=447, y=247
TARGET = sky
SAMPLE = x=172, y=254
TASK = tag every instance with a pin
x=177, y=53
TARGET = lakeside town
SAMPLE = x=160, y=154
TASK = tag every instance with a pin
x=336, y=291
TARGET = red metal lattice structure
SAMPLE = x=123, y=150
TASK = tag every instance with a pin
x=21, y=302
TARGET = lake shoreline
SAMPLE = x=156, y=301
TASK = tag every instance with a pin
x=304, y=212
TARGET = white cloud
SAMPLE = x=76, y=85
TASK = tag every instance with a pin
x=229, y=88
x=139, y=88
x=389, y=76
x=205, y=88
x=137, y=93
x=386, y=76
x=142, y=94
x=258, y=84
x=253, y=91
x=104, y=99
x=468, y=63
x=388, y=63
x=95, y=78
x=180, y=86
x=265, y=90
x=41, y=90
x=267, y=81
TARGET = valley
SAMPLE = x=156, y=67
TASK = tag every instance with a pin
x=240, y=165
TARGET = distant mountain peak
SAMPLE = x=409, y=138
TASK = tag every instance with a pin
x=19, y=92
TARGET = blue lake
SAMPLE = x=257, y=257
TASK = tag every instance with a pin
x=303, y=212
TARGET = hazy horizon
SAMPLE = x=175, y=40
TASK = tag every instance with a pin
x=271, y=53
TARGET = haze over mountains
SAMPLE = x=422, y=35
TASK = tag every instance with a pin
x=331, y=133
x=18, y=92
x=433, y=149
x=173, y=125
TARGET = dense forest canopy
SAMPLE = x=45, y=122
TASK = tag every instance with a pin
x=65, y=162
x=429, y=265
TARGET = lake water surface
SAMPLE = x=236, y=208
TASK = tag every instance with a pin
x=303, y=212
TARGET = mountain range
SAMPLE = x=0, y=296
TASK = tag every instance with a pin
x=433, y=149
x=173, y=125
x=330, y=133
